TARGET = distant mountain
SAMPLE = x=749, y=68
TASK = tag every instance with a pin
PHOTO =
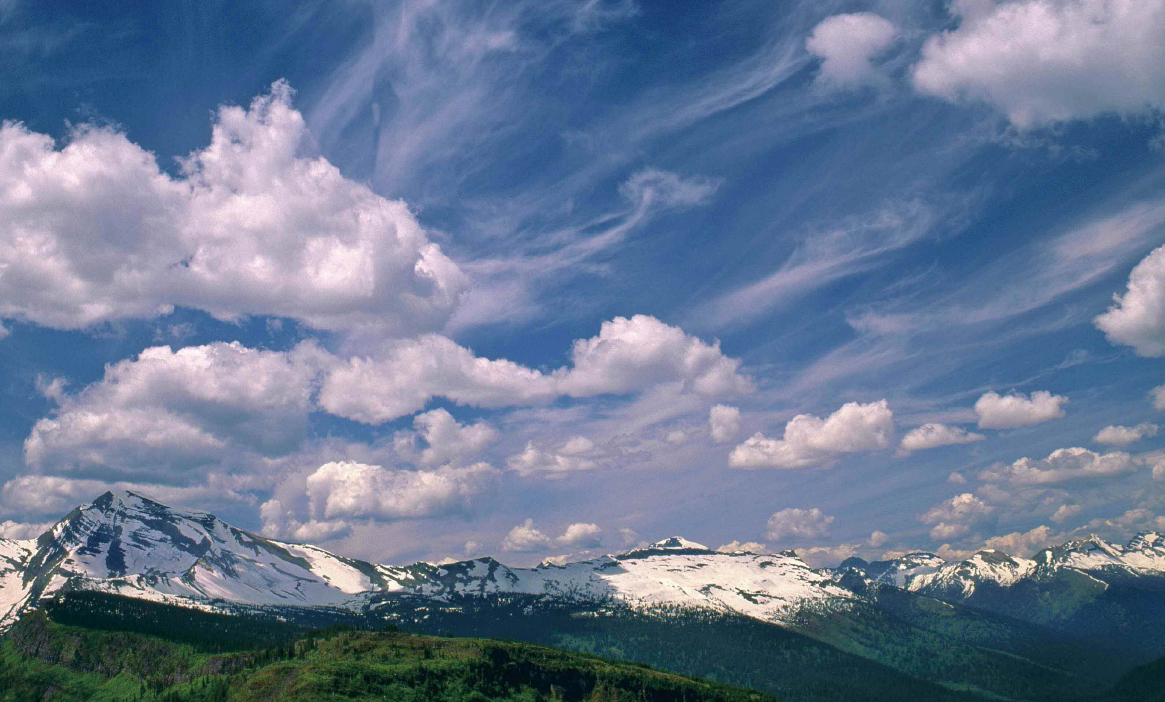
x=1060, y=625
x=127, y=544
x=1090, y=588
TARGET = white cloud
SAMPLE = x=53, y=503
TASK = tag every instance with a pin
x=279, y=522
x=827, y=556
x=1060, y=466
x=797, y=523
x=1022, y=543
x=350, y=490
x=956, y=478
x=167, y=412
x=943, y=531
x=472, y=548
x=629, y=355
x=448, y=441
x=524, y=538
x=745, y=546
x=4, y=331
x=1138, y=317
x=847, y=43
x=810, y=440
x=652, y=187
x=19, y=531
x=1018, y=410
x=955, y=516
x=1042, y=61
x=949, y=553
x=1123, y=436
x=53, y=496
x=676, y=437
x=1066, y=512
x=930, y=436
x=629, y=536
x=1157, y=397
x=877, y=538
x=53, y=389
x=550, y=464
x=581, y=535
x=95, y=232
x=724, y=423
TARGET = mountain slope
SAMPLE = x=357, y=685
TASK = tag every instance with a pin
x=127, y=544
x=43, y=660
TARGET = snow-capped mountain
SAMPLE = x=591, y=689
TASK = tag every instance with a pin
x=895, y=572
x=927, y=573
x=129, y=545
x=672, y=572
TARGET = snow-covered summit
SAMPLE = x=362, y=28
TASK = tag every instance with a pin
x=127, y=544
x=1144, y=554
x=896, y=571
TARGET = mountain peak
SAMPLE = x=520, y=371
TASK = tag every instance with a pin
x=678, y=542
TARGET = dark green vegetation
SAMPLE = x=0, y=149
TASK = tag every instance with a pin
x=42, y=659
x=1144, y=683
x=907, y=647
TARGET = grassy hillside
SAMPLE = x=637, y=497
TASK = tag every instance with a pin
x=44, y=660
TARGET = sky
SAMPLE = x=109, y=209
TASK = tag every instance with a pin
x=544, y=280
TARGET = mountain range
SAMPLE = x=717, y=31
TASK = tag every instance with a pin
x=1066, y=622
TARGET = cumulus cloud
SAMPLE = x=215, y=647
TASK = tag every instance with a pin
x=930, y=436
x=94, y=231
x=1022, y=543
x=1042, y=61
x=629, y=536
x=724, y=423
x=1138, y=317
x=810, y=440
x=1065, y=512
x=954, y=517
x=827, y=556
x=1018, y=410
x=1123, y=436
x=524, y=538
x=552, y=464
x=847, y=43
x=804, y=524
x=1157, y=397
x=1062, y=465
x=877, y=538
x=350, y=490
x=581, y=535
x=629, y=355
x=447, y=440
x=280, y=522
x=956, y=478
x=18, y=531
x=167, y=412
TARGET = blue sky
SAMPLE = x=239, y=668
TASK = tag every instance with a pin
x=397, y=278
